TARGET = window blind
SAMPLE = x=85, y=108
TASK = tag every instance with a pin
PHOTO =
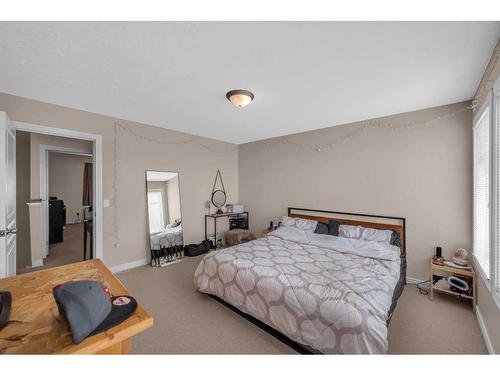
x=496, y=125
x=481, y=191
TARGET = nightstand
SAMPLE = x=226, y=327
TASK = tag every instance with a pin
x=469, y=273
x=265, y=232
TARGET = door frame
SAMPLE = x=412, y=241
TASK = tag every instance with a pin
x=6, y=180
x=44, y=181
x=96, y=140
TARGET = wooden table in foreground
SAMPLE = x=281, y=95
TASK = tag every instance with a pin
x=35, y=326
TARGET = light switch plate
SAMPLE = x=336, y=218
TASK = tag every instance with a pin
x=105, y=203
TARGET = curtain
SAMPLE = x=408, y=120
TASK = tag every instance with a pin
x=87, y=185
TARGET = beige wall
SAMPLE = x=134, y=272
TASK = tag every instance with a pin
x=422, y=173
x=66, y=182
x=37, y=237
x=37, y=140
x=23, y=246
x=487, y=307
x=196, y=164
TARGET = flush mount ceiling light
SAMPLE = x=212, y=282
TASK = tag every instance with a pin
x=240, y=98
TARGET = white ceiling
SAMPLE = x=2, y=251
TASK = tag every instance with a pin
x=305, y=75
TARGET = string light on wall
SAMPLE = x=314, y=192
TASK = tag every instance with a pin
x=286, y=139
x=267, y=145
x=193, y=140
x=361, y=128
x=120, y=127
x=476, y=102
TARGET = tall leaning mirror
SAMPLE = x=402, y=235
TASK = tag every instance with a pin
x=164, y=216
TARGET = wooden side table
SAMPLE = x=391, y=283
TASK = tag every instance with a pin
x=470, y=273
x=265, y=232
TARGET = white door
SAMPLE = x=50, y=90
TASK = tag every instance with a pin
x=7, y=197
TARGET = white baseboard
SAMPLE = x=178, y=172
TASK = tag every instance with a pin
x=129, y=265
x=484, y=332
x=37, y=263
x=412, y=280
x=171, y=262
x=482, y=326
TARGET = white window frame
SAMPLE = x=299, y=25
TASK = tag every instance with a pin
x=492, y=104
x=485, y=107
x=494, y=286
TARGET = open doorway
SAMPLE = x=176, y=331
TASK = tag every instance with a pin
x=32, y=190
x=69, y=177
x=54, y=200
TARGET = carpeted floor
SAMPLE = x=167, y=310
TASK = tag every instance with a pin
x=188, y=322
x=66, y=252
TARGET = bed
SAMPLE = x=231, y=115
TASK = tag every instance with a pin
x=169, y=237
x=166, y=245
x=319, y=293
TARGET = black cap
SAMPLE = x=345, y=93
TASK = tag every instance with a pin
x=90, y=309
x=5, y=305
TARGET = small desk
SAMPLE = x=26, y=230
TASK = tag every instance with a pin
x=36, y=326
x=226, y=214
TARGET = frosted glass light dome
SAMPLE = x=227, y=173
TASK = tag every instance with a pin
x=240, y=98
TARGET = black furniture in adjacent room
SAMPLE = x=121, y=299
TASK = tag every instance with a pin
x=57, y=220
x=88, y=228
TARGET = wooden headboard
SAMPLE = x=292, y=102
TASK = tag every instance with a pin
x=377, y=223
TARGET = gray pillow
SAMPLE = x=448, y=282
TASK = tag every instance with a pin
x=322, y=228
x=333, y=227
x=395, y=239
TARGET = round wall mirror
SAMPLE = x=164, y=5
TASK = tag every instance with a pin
x=219, y=199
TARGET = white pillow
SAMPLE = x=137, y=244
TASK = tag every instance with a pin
x=287, y=221
x=302, y=224
x=350, y=231
x=306, y=225
x=379, y=235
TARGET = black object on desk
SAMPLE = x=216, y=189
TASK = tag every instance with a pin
x=236, y=221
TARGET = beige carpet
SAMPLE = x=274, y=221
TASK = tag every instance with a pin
x=190, y=322
x=66, y=252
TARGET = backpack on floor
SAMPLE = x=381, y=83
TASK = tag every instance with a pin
x=193, y=250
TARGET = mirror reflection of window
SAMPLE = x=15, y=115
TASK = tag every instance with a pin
x=156, y=213
x=164, y=214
